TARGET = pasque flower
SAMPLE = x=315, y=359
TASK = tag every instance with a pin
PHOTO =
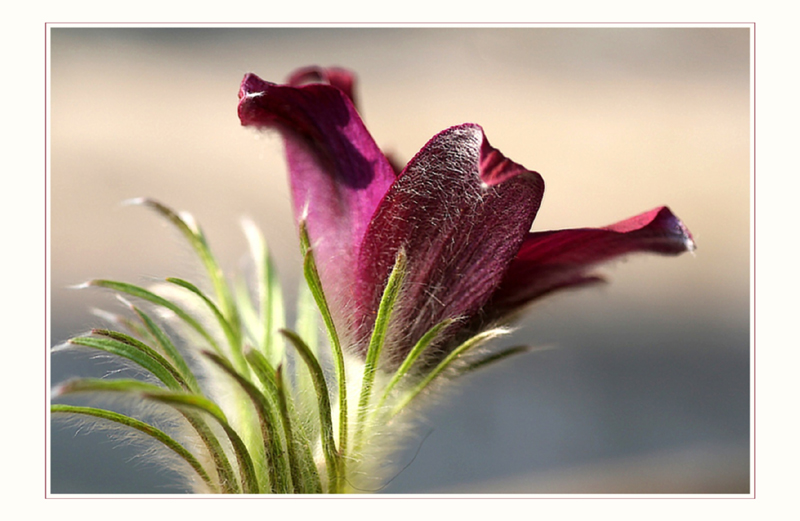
x=410, y=269
x=459, y=210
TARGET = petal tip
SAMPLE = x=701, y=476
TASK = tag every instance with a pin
x=679, y=230
x=251, y=87
x=688, y=240
x=661, y=227
x=251, y=84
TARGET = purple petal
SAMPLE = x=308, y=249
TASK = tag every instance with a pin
x=338, y=175
x=460, y=210
x=342, y=79
x=553, y=260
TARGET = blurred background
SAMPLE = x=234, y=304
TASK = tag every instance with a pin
x=645, y=383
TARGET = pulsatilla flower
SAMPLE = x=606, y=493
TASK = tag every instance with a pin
x=460, y=211
x=410, y=270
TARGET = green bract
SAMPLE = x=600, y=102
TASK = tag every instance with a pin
x=261, y=418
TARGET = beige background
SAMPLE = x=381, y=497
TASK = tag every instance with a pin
x=647, y=389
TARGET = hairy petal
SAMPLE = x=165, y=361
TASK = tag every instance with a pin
x=559, y=259
x=460, y=210
x=338, y=175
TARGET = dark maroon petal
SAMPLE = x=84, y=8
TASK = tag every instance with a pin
x=460, y=210
x=338, y=175
x=342, y=79
x=553, y=260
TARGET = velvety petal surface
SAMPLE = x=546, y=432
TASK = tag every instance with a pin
x=460, y=210
x=338, y=175
x=553, y=260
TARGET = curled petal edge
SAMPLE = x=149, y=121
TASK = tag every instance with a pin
x=560, y=259
x=338, y=77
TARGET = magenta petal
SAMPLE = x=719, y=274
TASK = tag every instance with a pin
x=460, y=210
x=342, y=79
x=553, y=260
x=338, y=175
